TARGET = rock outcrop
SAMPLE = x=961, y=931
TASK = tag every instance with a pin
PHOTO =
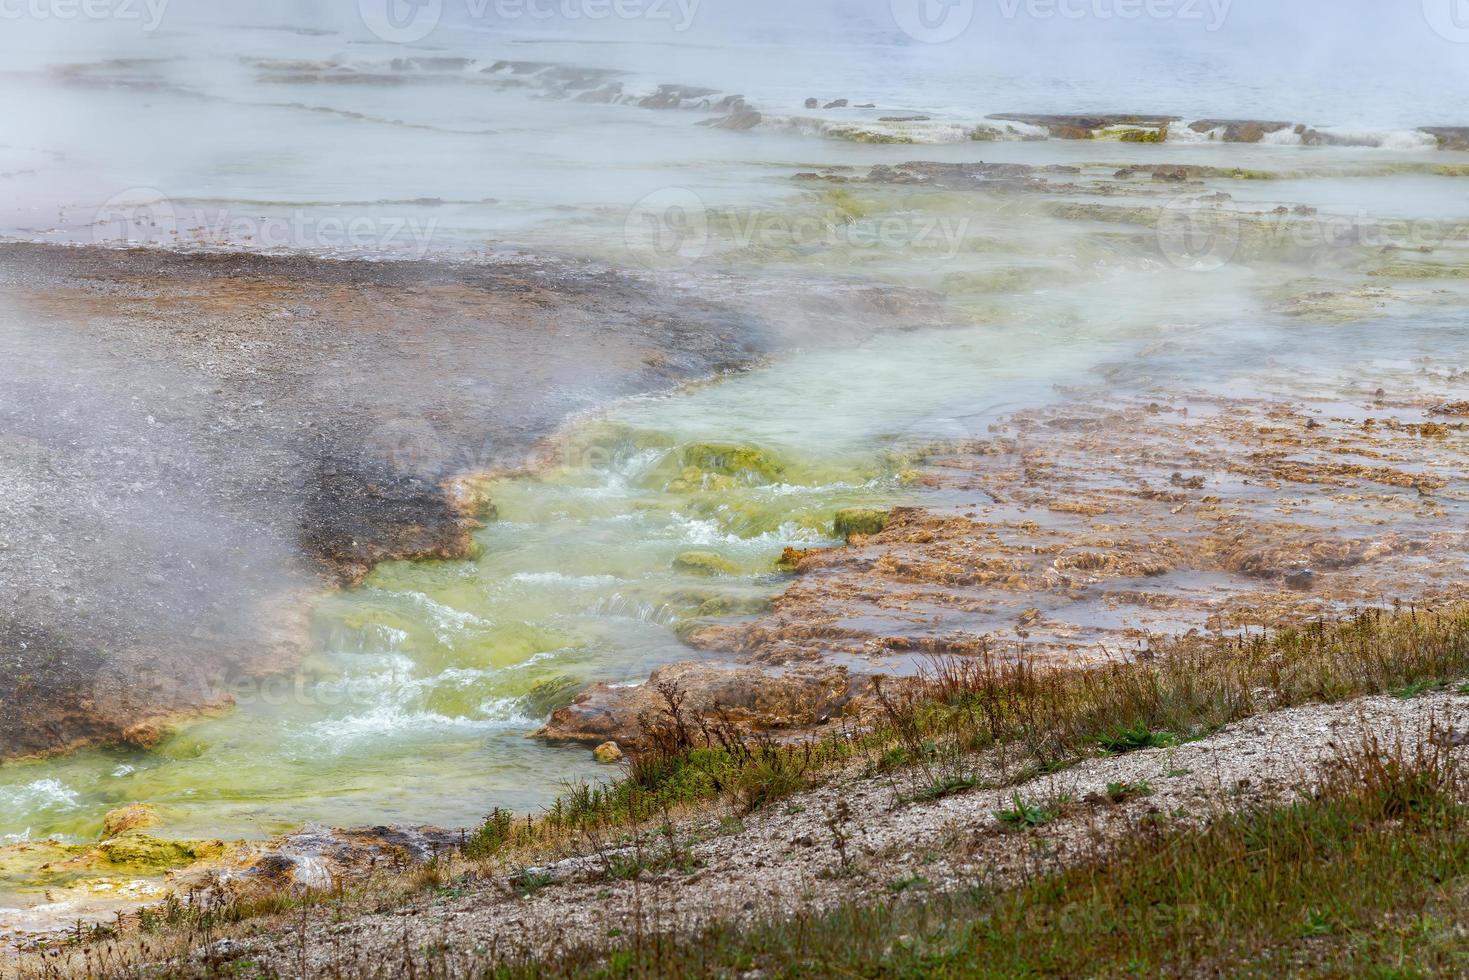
x=753, y=699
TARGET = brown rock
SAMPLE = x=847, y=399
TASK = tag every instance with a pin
x=751, y=698
x=1239, y=130
x=739, y=122
x=134, y=816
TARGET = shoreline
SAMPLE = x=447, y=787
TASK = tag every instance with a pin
x=291, y=424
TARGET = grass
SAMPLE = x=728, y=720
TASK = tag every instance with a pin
x=1366, y=876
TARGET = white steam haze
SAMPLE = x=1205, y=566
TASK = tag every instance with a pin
x=196, y=118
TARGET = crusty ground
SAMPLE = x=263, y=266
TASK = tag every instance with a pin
x=1100, y=525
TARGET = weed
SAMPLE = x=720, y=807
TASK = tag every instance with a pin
x=528, y=881
x=945, y=787
x=1122, y=792
x=1023, y=816
x=1132, y=738
x=912, y=883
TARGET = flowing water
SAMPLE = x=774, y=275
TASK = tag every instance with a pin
x=426, y=680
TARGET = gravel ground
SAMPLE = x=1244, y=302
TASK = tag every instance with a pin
x=787, y=857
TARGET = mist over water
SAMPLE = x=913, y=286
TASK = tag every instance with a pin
x=208, y=105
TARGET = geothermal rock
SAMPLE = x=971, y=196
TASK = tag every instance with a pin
x=751, y=698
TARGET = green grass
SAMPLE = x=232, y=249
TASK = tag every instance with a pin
x=1366, y=876
x=1418, y=688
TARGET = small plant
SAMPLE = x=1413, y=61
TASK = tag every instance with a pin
x=911, y=883
x=528, y=881
x=836, y=821
x=949, y=786
x=1025, y=816
x=491, y=836
x=1132, y=738
x=893, y=758
x=1122, y=792
x=625, y=867
x=1316, y=924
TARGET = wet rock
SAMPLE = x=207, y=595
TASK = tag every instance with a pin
x=739, y=122
x=859, y=520
x=1238, y=130
x=574, y=78
x=1454, y=138
x=317, y=858
x=144, y=853
x=750, y=698
x=135, y=816
x=1171, y=175
x=1081, y=127
x=704, y=563
x=608, y=753
x=133, y=853
x=813, y=103
x=963, y=176
x=678, y=97
x=606, y=95
x=715, y=466
x=518, y=67
x=836, y=104
x=431, y=64
x=1300, y=579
